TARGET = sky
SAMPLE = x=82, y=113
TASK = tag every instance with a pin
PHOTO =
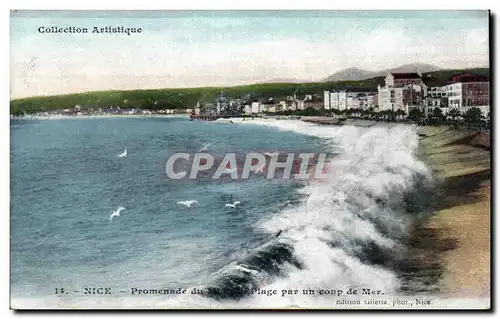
x=225, y=48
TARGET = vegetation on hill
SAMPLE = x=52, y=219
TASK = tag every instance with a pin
x=188, y=97
x=439, y=78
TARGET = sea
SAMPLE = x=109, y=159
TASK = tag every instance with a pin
x=287, y=244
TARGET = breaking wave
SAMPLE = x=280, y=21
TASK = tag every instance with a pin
x=348, y=232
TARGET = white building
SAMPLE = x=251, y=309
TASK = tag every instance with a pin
x=353, y=101
x=271, y=108
x=248, y=109
x=326, y=100
x=403, y=79
x=300, y=104
x=463, y=92
x=390, y=98
x=401, y=91
x=256, y=108
x=283, y=106
x=369, y=101
x=338, y=100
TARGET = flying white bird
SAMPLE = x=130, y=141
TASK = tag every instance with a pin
x=188, y=203
x=260, y=169
x=124, y=154
x=229, y=170
x=233, y=205
x=205, y=148
x=271, y=154
x=116, y=213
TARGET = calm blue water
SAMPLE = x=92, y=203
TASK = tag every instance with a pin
x=66, y=179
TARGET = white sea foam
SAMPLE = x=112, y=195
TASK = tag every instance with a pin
x=381, y=164
x=378, y=163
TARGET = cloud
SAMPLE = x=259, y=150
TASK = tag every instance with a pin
x=232, y=53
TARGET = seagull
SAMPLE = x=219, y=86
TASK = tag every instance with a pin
x=229, y=170
x=260, y=169
x=205, y=148
x=187, y=203
x=116, y=213
x=271, y=154
x=124, y=154
x=233, y=205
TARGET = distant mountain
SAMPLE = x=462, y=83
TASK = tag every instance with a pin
x=355, y=74
x=280, y=80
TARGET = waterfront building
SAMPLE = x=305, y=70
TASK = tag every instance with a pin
x=248, y=109
x=326, y=100
x=301, y=104
x=353, y=101
x=461, y=92
x=368, y=101
x=338, y=100
x=468, y=90
x=403, y=79
x=401, y=92
x=256, y=108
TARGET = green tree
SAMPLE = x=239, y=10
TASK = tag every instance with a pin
x=400, y=114
x=473, y=117
x=454, y=114
x=415, y=115
x=310, y=111
x=371, y=113
x=364, y=114
x=334, y=112
x=437, y=116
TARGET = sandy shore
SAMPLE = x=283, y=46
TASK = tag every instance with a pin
x=458, y=233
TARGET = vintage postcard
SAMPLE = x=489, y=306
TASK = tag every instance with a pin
x=250, y=160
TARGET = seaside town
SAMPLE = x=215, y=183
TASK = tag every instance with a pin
x=404, y=96
x=250, y=159
x=465, y=98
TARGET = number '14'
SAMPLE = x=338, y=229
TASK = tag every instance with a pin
x=60, y=291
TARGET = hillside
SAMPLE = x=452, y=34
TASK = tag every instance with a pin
x=439, y=78
x=180, y=98
x=187, y=97
x=355, y=74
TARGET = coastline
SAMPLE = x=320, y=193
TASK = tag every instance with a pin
x=452, y=245
x=460, y=226
x=73, y=117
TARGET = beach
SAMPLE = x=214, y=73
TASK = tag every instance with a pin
x=451, y=247
x=461, y=222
